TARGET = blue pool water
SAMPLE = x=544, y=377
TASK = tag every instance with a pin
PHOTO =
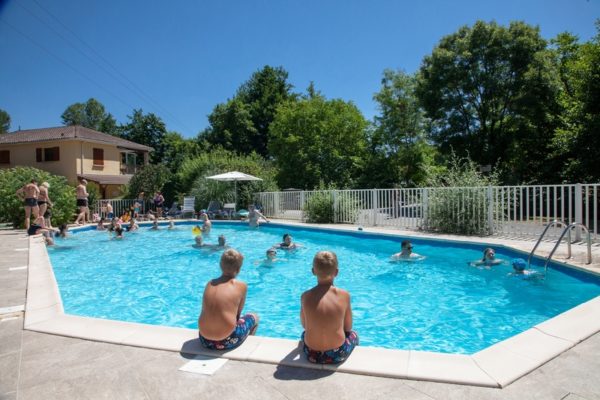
x=438, y=304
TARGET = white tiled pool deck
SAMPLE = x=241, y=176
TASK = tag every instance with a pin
x=496, y=366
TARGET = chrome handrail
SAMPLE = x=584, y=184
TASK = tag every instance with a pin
x=568, y=230
x=553, y=223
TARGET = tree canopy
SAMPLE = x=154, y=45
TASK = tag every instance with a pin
x=90, y=114
x=147, y=129
x=316, y=140
x=577, y=138
x=4, y=121
x=490, y=93
x=398, y=143
x=242, y=123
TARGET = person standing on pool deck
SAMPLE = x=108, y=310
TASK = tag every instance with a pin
x=221, y=324
x=44, y=200
x=326, y=315
x=29, y=194
x=82, y=201
x=254, y=217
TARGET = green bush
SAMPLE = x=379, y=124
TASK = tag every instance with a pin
x=457, y=200
x=61, y=194
x=193, y=172
x=319, y=208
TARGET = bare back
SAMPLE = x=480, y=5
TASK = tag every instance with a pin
x=30, y=191
x=222, y=303
x=43, y=196
x=81, y=192
x=326, y=315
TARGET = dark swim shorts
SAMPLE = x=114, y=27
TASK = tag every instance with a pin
x=333, y=356
x=82, y=203
x=30, y=202
x=33, y=228
x=237, y=337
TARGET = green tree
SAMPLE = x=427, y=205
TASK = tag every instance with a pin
x=60, y=192
x=90, y=114
x=398, y=146
x=177, y=150
x=317, y=140
x=149, y=179
x=242, y=124
x=490, y=92
x=4, y=121
x=577, y=138
x=148, y=130
x=231, y=127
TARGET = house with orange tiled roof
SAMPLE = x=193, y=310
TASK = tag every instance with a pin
x=75, y=151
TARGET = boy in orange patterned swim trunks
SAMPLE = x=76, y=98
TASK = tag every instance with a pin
x=326, y=315
x=221, y=324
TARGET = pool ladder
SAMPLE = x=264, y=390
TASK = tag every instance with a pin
x=566, y=231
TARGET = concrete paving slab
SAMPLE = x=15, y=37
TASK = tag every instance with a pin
x=9, y=371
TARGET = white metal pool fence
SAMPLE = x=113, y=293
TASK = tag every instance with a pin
x=120, y=206
x=519, y=211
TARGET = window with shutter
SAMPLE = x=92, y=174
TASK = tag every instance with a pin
x=98, y=157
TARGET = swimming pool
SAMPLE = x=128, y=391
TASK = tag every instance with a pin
x=438, y=304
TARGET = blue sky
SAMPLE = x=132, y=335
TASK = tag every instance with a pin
x=179, y=59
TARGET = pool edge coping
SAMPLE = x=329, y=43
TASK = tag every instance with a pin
x=495, y=366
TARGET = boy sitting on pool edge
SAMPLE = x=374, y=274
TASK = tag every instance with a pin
x=221, y=325
x=326, y=315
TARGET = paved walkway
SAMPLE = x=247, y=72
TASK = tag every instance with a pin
x=41, y=366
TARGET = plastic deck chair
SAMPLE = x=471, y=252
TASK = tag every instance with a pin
x=189, y=206
x=172, y=212
x=213, y=209
x=229, y=209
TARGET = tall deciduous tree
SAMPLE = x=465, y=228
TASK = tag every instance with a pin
x=577, y=139
x=399, y=149
x=177, y=150
x=4, y=121
x=90, y=114
x=231, y=127
x=148, y=130
x=242, y=124
x=315, y=141
x=491, y=94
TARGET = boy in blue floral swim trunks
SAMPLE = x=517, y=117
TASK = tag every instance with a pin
x=221, y=324
x=326, y=315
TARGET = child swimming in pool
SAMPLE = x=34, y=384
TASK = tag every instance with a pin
x=519, y=269
x=326, y=315
x=270, y=259
x=406, y=254
x=489, y=259
x=221, y=324
x=207, y=225
x=287, y=243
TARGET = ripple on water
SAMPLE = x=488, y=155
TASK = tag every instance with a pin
x=436, y=304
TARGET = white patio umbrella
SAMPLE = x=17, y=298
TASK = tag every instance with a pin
x=234, y=176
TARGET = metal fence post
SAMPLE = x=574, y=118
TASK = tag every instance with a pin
x=335, y=206
x=490, y=210
x=375, y=205
x=425, y=208
x=302, y=199
x=276, y=204
x=578, y=210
